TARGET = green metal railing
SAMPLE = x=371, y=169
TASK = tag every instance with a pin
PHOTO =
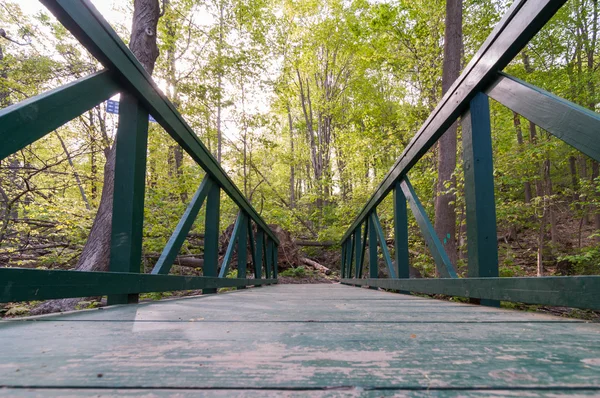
x=468, y=99
x=23, y=123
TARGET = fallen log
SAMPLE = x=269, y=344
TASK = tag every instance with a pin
x=315, y=243
x=183, y=260
x=316, y=265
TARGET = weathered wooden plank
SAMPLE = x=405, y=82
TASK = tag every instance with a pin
x=211, y=234
x=383, y=244
x=129, y=191
x=442, y=262
x=17, y=284
x=85, y=22
x=524, y=19
x=401, y=233
x=565, y=120
x=164, y=263
x=304, y=338
x=295, y=393
x=571, y=291
x=23, y=123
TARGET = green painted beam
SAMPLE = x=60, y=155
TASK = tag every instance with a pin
x=363, y=250
x=522, y=21
x=23, y=123
x=268, y=258
x=18, y=284
x=129, y=191
x=242, y=246
x=373, y=266
x=359, y=247
x=442, y=262
x=479, y=189
x=564, y=291
x=275, y=261
x=85, y=22
x=252, y=243
x=343, y=264
x=482, y=242
x=168, y=255
x=401, y=233
x=211, y=234
x=383, y=245
x=351, y=253
x=260, y=253
x=235, y=235
x=565, y=120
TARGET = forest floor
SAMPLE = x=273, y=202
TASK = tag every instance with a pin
x=517, y=257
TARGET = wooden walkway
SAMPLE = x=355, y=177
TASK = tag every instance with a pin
x=298, y=340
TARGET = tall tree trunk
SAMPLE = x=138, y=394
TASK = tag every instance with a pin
x=539, y=186
x=292, y=166
x=445, y=216
x=175, y=151
x=220, y=82
x=574, y=180
x=93, y=160
x=519, y=131
x=591, y=85
x=96, y=252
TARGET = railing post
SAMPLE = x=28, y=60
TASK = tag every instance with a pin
x=401, y=234
x=268, y=257
x=479, y=191
x=275, y=260
x=343, y=266
x=211, y=234
x=349, y=251
x=373, y=266
x=358, y=253
x=258, y=253
x=128, y=196
x=242, y=245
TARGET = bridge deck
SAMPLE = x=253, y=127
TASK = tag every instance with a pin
x=324, y=340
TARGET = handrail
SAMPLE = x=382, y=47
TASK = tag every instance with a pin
x=92, y=30
x=29, y=120
x=524, y=19
x=468, y=99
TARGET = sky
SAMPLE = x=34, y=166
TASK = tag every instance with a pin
x=119, y=13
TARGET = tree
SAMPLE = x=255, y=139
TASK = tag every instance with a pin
x=96, y=252
x=445, y=217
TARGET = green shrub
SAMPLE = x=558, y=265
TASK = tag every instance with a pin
x=299, y=272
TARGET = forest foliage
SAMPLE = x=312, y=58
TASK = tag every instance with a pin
x=307, y=104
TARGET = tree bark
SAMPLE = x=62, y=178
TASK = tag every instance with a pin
x=445, y=216
x=96, y=252
x=519, y=131
x=220, y=82
x=292, y=167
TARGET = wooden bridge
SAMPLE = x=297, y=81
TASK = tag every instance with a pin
x=324, y=340
x=298, y=340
